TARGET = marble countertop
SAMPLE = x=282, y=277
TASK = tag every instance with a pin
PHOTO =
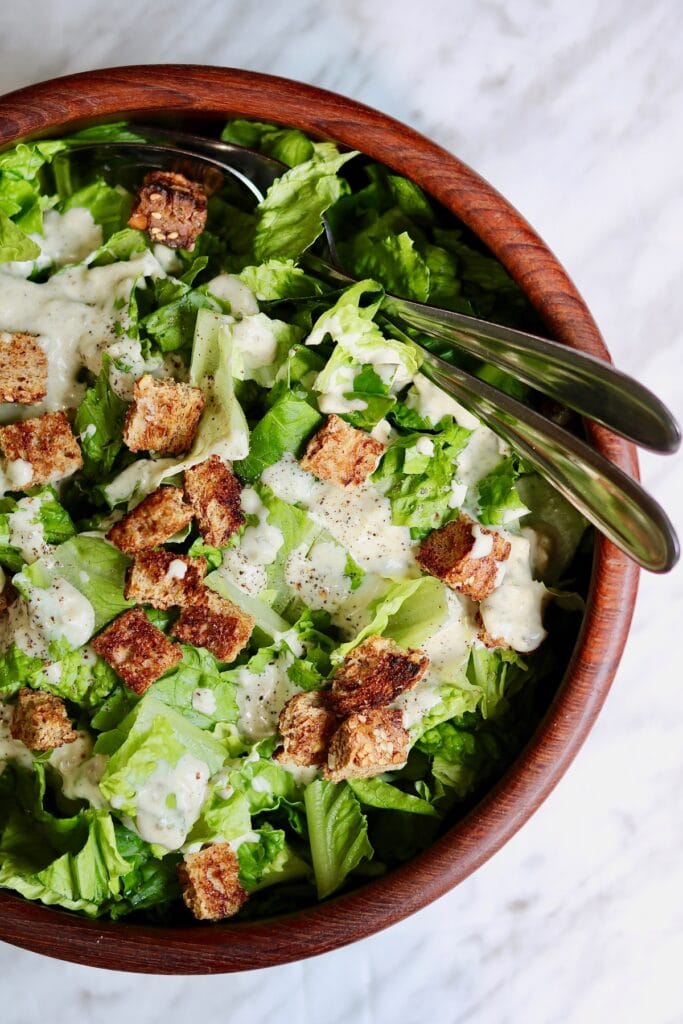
x=575, y=112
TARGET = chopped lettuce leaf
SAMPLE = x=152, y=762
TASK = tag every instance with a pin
x=290, y=217
x=338, y=833
x=409, y=612
x=99, y=423
x=284, y=428
x=382, y=795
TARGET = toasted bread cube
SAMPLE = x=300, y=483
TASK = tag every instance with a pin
x=136, y=650
x=157, y=518
x=367, y=743
x=214, y=623
x=374, y=674
x=170, y=208
x=210, y=883
x=306, y=725
x=163, y=579
x=163, y=417
x=462, y=555
x=23, y=369
x=214, y=494
x=40, y=721
x=45, y=447
x=342, y=454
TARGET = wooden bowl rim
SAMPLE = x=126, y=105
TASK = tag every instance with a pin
x=51, y=107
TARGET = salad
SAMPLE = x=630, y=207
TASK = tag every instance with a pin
x=275, y=609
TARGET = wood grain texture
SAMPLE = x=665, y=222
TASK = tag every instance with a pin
x=217, y=93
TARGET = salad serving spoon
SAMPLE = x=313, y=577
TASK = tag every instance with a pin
x=589, y=386
x=610, y=499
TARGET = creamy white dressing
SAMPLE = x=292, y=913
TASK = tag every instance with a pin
x=430, y=401
x=246, y=837
x=353, y=614
x=11, y=749
x=481, y=454
x=358, y=518
x=333, y=400
x=80, y=770
x=317, y=575
x=259, y=544
x=25, y=529
x=204, y=700
x=302, y=774
x=255, y=340
x=18, y=473
x=128, y=364
x=261, y=697
x=483, y=542
x=53, y=613
x=383, y=432
x=67, y=238
x=250, y=579
x=424, y=446
x=514, y=611
x=229, y=288
x=169, y=801
x=73, y=316
x=177, y=569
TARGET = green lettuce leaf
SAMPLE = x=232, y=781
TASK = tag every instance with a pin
x=14, y=244
x=384, y=796
x=289, y=219
x=284, y=428
x=269, y=861
x=417, y=484
x=108, y=206
x=221, y=819
x=289, y=145
x=498, y=500
x=338, y=833
x=94, y=567
x=198, y=671
x=279, y=279
x=99, y=422
x=409, y=612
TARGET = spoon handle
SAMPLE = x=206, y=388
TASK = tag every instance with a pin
x=589, y=386
x=607, y=497
x=579, y=381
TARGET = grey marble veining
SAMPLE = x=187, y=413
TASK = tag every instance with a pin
x=575, y=112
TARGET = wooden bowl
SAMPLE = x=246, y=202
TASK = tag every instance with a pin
x=152, y=92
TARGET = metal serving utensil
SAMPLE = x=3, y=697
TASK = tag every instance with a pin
x=608, y=497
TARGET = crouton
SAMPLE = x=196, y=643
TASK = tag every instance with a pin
x=214, y=623
x=163, y=579
x=210, y=882
x=136, y=650
x=306, y=725
x=461, y=554
x=163, y=417
x=374, y=674
x=367, y=743
x=214, y=494
x=342, y=454
x=23, y=369
x=40, y=721
x=47, y=447
x=170, y=208
x=157, y=518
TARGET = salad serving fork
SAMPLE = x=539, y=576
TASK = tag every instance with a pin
x=608, y=497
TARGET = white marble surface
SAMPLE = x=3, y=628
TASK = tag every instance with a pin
x=574, y=111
